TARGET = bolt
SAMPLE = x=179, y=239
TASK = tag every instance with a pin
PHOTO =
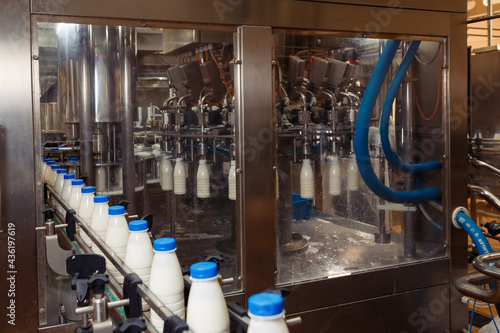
x=237, y=61
x=240, y=278
x=444, y=67
x=41, y=310
x=275, y=168
x=273, y=62
x=365, y=35
x=39, y=184
x=238, y=170
x=143, y=24
x=445, y=157
x=35, y=57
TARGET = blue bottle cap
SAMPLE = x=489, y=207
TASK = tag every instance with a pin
x=497, y=131
x=204, y=270
x=51, y=162
x=45, y=159
x=54, y=149
x=55, y=167
x=88, y=189
x=138, y=225
x=69, y=176
x=116, y=210
x=62, y=146
x=77, y=182
x=59, y=171
x=164, y=244
x=478, y=131
x=101, y=198
x=73, y=159
x=265, y=304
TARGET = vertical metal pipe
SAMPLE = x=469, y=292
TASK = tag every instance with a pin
x=490, y=23
x=85, y=102
x=127, y=81
x=407, y=123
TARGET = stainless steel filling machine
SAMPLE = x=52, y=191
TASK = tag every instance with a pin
x=325, y=176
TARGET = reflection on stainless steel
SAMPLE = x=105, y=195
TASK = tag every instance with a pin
x=486, y=195
x=476, y=162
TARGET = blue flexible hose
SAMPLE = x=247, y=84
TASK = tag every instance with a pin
x=361, y=136
x=391, y=156
x=477, y=237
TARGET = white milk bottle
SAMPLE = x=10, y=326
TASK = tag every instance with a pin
x=179, y=177
x=86, y=209
x=53, y=174
x=166, y=174
x=306, y=179
x=117, y=238
x=231, y=181
x=139, y=253
x=48, y=168
x=266, y=314
x=66, y=190
x=60, y=181
x=203, y=180
x=352, y=174
x=166, y=280
x=100, y=219
x=334, y=178
x=207, y=309
x=76, y=194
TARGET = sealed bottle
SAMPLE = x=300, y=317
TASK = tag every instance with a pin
x=231, y=181
x=86, y=209
x=179, y=177
x=306, y=179
x=207, y=309
x=266, y=314
x=117, y=237
x=203, y=180
x=166, y=174
x=139, y=252
x=46, y=172
x=66, y=190
x=334, y=179
x=59, y=181
x=53, y=174
x=100, y=219
x=76, y=194
x=73, y=163
x=166, y=280
x=352, y=174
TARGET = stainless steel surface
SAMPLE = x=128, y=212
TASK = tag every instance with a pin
x=255, y=199
x=470, y=285
x=17, y=183
x=476, y=162
x=490, y=22
x=480, y=263
x=84, y=71
x=56, y=257
x=127, y=104
x=51, y=119
x=486, y=195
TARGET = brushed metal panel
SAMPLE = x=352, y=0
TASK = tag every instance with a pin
x=17, y=167
x=356, y=287
x=276, y=14
x=424, y=310
x=255, y=151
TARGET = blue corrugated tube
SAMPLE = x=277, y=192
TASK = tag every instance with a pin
x=361, y=136
x=391, y=156
x=478, y=238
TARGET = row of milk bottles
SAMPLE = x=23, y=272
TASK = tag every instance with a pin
x=174, y=178
x=334, y=177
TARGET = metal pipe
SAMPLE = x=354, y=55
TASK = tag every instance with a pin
x=85, y=101
x=480, y=263
x=486, y=195
x=490, y=23
x=475, y=162
x=469, y=286
x=127, y=81
x=484, y=18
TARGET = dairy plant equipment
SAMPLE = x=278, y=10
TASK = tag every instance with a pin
x=337, y=117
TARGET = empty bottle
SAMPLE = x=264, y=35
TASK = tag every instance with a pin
x=86, y=209
x=352, y=174
x=53, y=174
x=139, y=252
x=76, y=194
x=231, y=181
x=266, y=314
x=166, y=174
x=334, y=179
x=66, y=190
x=179, y=177
x=166, y=280
x=207, y=309
x=203, y=180
x=116, y=238
x=306, y=179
